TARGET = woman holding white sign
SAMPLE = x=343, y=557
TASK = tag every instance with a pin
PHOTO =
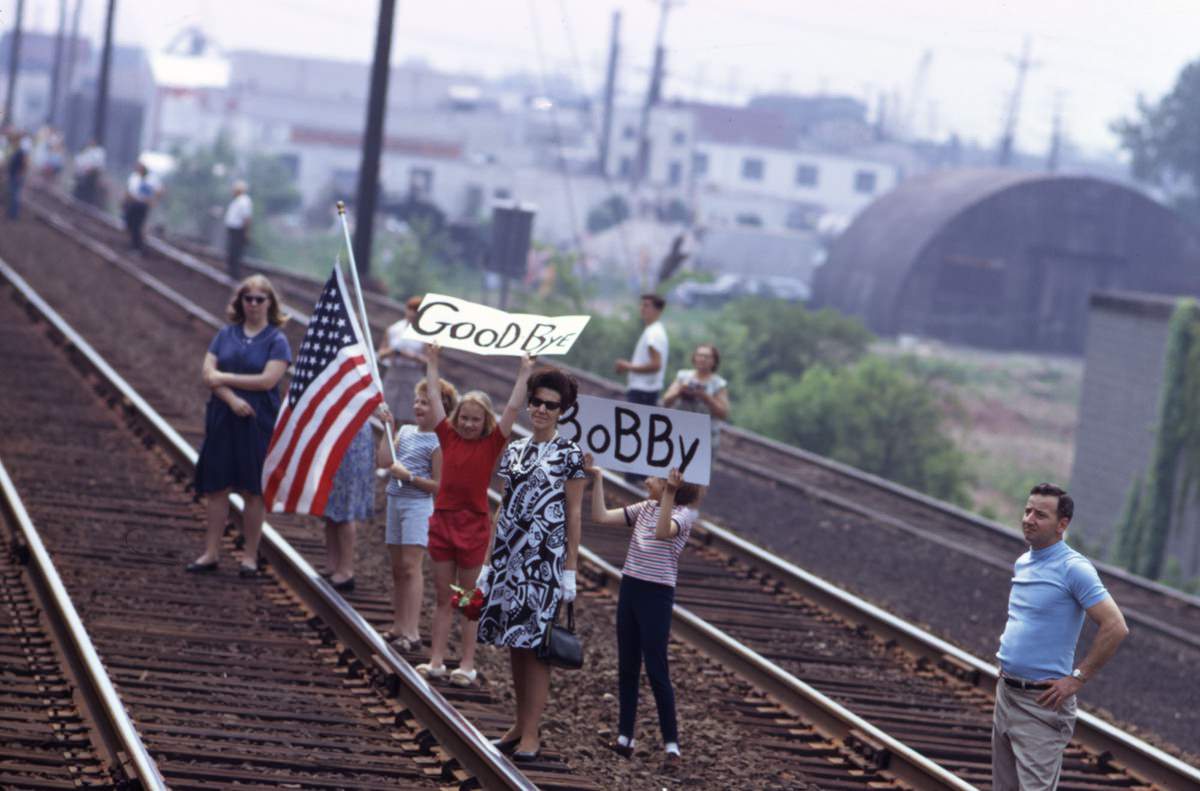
x=702, y=390
x=459, y=531
x=534, y=553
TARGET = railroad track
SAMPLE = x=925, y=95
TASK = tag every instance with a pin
x=969, y=718
x=801, y=751
x=225, y=679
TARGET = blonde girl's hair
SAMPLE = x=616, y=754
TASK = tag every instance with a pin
x=236, y=314
x=448, y=393
x=483, y=400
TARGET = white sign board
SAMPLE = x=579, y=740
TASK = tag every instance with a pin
x=458, y=324
x=648, y=440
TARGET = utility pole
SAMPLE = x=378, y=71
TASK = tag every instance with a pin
x=653, y=95
x=1055, y=135
x=368, y=170
x=102, y=86
x=14, y=65
x=56, y=71
x=69, y=77
x=1023, y=64
x=610, y=87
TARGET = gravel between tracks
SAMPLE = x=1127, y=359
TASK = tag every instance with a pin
x=583, y=707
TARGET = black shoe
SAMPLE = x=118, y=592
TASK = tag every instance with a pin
x=623, y=750
x=345, y=586
x=506, y=746
x=201, y=568
x=524, y=758
x=248, y=571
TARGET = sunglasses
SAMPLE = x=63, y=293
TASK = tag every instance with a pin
x=253, y=299
x=551, y=406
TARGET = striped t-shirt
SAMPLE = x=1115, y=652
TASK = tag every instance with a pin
x=649, y=558
x=414, y=449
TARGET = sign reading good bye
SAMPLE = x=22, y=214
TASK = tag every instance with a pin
x=458, y=324
x=647, y=440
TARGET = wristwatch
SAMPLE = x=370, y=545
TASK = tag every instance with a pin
x=1077, y=674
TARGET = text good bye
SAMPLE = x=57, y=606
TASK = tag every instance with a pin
x=458, y=324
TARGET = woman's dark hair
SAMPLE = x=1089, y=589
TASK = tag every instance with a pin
x=687, y=493
x=713, y=349
x=553, y=379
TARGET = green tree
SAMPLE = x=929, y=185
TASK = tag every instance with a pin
x=870, y=415
x=198, y=188
x=613, y=210
x=1163, y=140
x=272, y=185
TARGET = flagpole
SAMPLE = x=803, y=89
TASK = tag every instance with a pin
x=366, y=327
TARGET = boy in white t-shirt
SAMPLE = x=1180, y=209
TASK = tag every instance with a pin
x=661, y=526
x=649, y=364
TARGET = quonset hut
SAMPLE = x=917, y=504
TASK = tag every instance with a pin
x=1003, y=259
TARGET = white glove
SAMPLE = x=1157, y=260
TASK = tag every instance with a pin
x=481, y=581
x=568, y=586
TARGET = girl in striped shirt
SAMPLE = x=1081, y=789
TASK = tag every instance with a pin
x=661, y=526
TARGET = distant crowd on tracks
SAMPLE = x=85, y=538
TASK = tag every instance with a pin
x=524, y=557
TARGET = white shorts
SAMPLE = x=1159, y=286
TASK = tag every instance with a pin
x=408, y=520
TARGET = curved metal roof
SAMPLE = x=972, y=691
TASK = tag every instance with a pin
x=869, y=262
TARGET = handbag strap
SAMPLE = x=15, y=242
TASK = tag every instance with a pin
x=571, y=616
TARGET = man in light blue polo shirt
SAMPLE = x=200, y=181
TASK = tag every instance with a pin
x=1053, y=587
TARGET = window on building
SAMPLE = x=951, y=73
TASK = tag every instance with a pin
x=752, y=169
x=679, y=137
x=675, y=173
x=629, y=133
x=502, y=193
x=806, y=175
x=700, y=164
x=749, y=220
x=625, y=168
x=864, y=181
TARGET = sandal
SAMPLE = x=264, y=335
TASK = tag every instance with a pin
x=405, y=645
x=463, y=678
x=429, y=671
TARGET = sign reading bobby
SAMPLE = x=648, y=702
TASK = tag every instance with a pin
x=648, y=440
x=458, y=324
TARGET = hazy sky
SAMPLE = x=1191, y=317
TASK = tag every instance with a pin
x=1092, y=57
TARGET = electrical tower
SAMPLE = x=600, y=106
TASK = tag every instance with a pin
x=1023, y=64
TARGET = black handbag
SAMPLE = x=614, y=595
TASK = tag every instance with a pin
x=560, y=646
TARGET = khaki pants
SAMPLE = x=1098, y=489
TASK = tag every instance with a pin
x=1028, y=740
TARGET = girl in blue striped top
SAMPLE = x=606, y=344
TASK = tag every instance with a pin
x=661, y=526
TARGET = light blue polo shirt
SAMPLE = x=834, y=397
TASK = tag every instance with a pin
x=1051, y=590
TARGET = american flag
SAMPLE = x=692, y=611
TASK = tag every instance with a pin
x=331, y=395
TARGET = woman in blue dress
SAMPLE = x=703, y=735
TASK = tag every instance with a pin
x=243, y=367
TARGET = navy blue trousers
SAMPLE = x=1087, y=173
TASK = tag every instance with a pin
x=643, y=629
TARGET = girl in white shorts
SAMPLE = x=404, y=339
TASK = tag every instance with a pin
x=415, y=475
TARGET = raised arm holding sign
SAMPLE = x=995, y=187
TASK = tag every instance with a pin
x=459, y=324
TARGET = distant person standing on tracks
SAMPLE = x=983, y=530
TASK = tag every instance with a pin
x=531, y=564
x=1053, y=588
x=351, y=501
x=661, y=526
x=89, y=168
x=237, y=229
x=648, y=367
x=405, y=361
x=16, y=168
x=700, y=389
x=459, y=531
x=140, y=191
x=243, y=366
x=414, y=482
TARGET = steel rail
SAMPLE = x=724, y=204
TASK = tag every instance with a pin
x=458, y=736
x=120, y=740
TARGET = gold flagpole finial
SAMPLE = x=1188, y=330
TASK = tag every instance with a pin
x=341, y=207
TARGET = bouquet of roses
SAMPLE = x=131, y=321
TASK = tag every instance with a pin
x=469, y=603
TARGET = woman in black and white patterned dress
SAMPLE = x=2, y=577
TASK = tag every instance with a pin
x=534, y=551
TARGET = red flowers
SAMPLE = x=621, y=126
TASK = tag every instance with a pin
x=469, y=603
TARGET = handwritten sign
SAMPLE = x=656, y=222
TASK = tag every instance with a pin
x=647, y=440
x=459, y=324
